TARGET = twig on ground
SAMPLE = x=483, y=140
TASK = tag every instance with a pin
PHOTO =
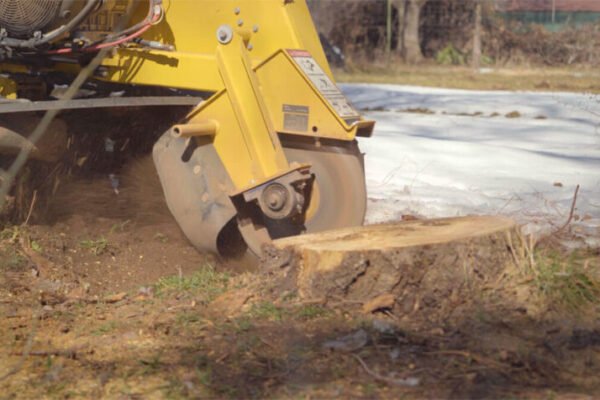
x=28, y=345
x=42, y=264
x=267, y=343
x=530, y=248
x=68, y=353
x=31, y=206
x=342, y=301
x=309, y=302
x=512, y=250
x=466, y=354
x=570, y=212
x=222, y=358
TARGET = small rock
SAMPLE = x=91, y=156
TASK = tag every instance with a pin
x=395, y=354
x=146, y=291
x=348, y=343
x=409, y=382
x=382, y=326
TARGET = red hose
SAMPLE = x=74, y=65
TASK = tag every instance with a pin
x=68, y=50
x=120, y=41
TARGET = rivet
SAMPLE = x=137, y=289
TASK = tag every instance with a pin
x=255, y=28
x=236, y=10
x=240, y=22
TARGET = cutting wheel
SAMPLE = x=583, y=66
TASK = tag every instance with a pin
x=338, y=198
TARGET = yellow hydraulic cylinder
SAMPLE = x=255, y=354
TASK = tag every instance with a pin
x=200, y=128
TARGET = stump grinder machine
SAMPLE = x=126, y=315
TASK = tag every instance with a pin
x=268, y=146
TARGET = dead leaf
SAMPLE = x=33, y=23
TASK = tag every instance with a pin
x=77, y=294
x=378, y=303
x=229, y=303
x=114, y=298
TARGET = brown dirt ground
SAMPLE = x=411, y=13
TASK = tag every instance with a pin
x=112, y=302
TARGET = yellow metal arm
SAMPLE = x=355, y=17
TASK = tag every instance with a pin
x=240, y=50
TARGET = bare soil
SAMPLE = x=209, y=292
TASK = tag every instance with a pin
x=106, y=299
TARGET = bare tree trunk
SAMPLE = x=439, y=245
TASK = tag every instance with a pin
x=412, y=43
x=476, y=62
x=388, y=29
x=401, y=5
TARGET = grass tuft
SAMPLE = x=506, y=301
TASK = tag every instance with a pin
x=266, y=310
x=566, y=280
x=105, y=328
x=206, y=280
x=11, y=260
x=97, y=247
x=10, y=233
x=311, y=311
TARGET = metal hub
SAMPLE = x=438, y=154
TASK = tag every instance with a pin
x=334, y=196
x=280, y=200
x=274, y=198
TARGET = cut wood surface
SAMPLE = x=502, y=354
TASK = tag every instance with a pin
x=423, y=263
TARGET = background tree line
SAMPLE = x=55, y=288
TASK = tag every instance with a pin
x=449, y=32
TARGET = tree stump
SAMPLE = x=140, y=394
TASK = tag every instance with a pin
x=404, y=266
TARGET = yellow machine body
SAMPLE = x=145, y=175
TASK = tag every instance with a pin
x=253, y=75
x=264, y=64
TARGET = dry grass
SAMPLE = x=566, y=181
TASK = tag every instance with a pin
x=522, y=78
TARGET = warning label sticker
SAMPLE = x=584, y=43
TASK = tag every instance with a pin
x=323, y=84
x=295, y=118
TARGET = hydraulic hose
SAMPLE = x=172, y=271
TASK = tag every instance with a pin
x=33, y=42
x=154, y=8
x=154, y=16
x=69, y=50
